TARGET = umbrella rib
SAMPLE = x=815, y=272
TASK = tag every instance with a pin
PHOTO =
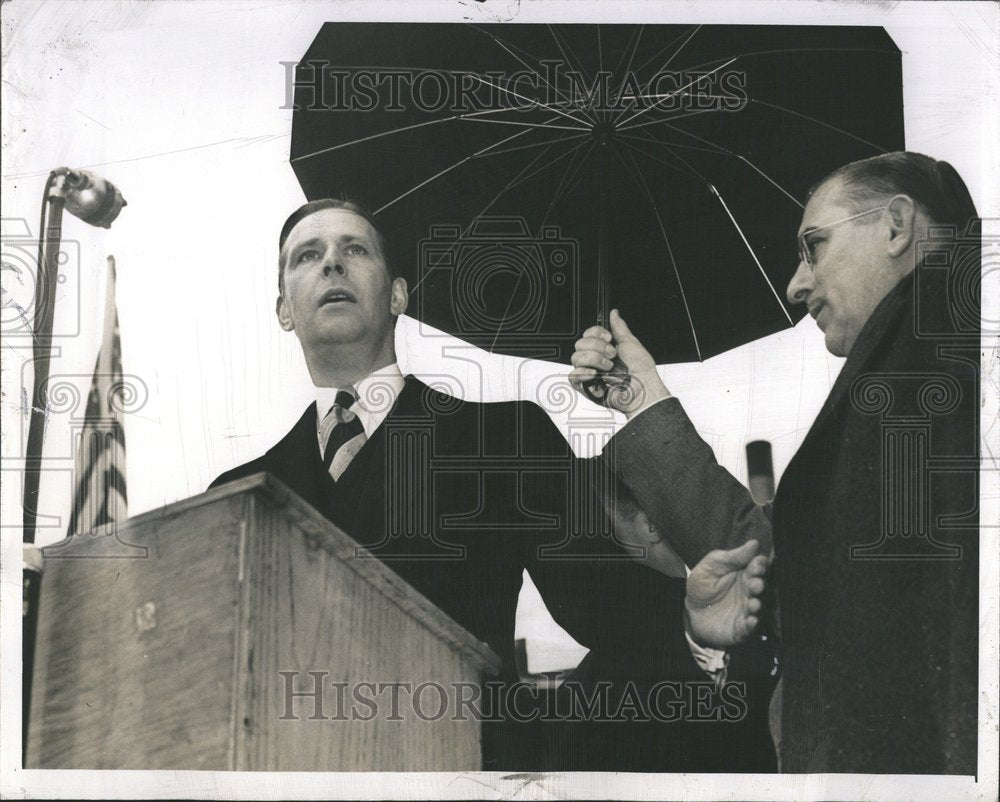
x=519, y=180
x=688, y=165
x=664, y=96
x=564, y=184
x=600, y=58
x=770, y=180
x=652, y=58
x=600, y=52
x=555, y=196
x=679, y=49
x=531, y=125
x=535, y=103
x=561, y=139
x=720, y=148
x=628, y=66
x=818, y=122
x=450, y=168
x=668, y=119
x=636, y=138
x=554, y=88
x=787, y=50
x=699, y=78
x=743, y=158
x=722, y=152
x=637, y=175
x=562, y=50
x=569, y=61
x=400, y=131
x=635, y=49
x=689, y=174
x=513, y=182
x=801, y=50
x=667, y=63
x=754, y=255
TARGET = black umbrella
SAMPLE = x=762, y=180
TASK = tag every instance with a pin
x=532, y=176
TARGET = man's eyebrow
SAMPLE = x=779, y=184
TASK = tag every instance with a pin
x=287, y=251
x=318, y=240
x=307, y=242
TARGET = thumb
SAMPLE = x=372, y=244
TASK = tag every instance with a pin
x=735, y=559
x=619, y=328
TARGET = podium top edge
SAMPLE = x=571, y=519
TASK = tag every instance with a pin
x=315, y=524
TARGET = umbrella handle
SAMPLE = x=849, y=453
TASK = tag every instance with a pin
x=616, y=381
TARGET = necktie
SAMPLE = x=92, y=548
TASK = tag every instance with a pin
x=344, y=434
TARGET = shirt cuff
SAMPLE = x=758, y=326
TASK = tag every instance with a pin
x=714, y=662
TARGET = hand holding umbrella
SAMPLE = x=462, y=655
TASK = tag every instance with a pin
x=621, y=363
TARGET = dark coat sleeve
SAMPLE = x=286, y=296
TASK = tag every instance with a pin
x=593, y=586
x=673, y=474
x=248, y=469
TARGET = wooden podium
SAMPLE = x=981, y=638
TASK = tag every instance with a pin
x=240, y=629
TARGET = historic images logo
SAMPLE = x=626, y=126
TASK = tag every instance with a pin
x=324, y=86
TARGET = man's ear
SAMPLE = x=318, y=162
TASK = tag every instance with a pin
x=400, y=297
x=902, y=212
x=284, y=316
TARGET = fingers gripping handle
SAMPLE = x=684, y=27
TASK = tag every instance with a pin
x=602, y=389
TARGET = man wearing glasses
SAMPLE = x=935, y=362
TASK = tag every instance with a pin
x=875, y=522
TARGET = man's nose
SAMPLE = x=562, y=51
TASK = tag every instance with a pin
x=333, y=265
x=800, y=285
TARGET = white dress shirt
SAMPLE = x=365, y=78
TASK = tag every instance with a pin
x=376, y=395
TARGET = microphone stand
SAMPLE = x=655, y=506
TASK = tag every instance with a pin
x=97, y=202
x=53, y=202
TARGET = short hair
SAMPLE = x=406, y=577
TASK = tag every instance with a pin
x=348, y=205
x=934, y=185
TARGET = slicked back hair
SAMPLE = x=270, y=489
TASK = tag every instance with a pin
x=934, y=185
x=312, y=207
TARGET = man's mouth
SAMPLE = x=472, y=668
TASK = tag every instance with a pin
x=336, y=296
x=815, y=308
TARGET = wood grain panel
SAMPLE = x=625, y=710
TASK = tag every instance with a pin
x=172, y=660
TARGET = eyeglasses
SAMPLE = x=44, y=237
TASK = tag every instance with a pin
x=806, y=248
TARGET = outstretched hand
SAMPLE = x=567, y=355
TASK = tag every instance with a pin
x=723, y=595
x=593, y=357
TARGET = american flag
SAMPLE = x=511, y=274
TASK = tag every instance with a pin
x=100, y=495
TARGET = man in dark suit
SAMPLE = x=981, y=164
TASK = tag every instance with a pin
x=875, y=520
x=460, y=498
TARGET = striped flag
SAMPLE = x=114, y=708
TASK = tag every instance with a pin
x=100, y=495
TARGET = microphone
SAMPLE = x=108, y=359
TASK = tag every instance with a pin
x=97, y=202
x=760, y=471
x=90, y=197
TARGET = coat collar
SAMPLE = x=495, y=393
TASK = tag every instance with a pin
x=297, y=456
x=878, y=329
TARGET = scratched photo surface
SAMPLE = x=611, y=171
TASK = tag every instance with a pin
x=356, y=497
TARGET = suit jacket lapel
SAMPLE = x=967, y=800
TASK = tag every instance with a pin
x=297, y=459
x=372, y=461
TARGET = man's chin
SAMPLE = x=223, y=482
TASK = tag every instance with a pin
x=835, y=343
x=338, y=329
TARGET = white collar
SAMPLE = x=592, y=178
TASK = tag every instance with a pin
x=376, y=394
